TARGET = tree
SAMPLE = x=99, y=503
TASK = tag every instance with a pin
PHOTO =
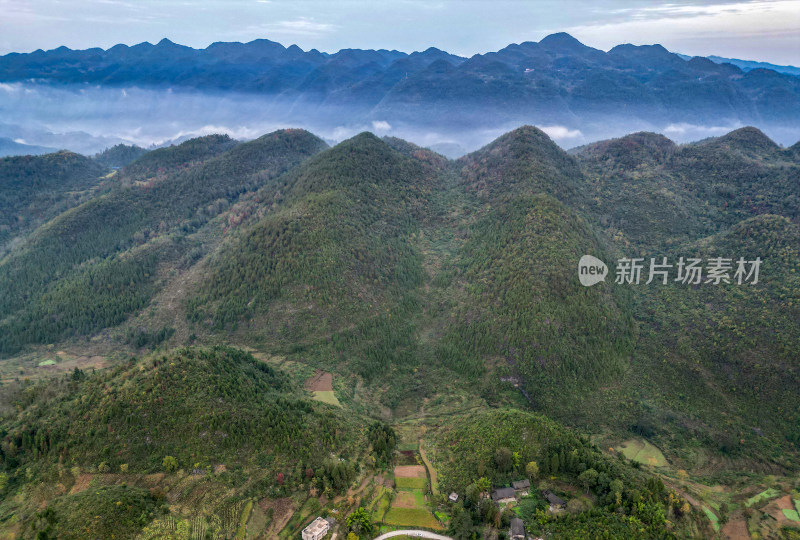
x=352, y=536
x=473, y=494
x=515, y=460
x=170, y=464
x=532, y=470
x=461, y=527
x=588, y=478
x=359, y=522
x=483, y=484
x=503, y=459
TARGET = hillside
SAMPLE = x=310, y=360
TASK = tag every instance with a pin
x=646, y=191
x=335, y=260
x=124, y=234
x=34, y=189
x=207, y=410
x=119, y=155
x=421, y=301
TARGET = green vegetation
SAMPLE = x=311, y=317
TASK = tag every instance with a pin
x=411, y=517
x=106, y=512
x=104, y=253
x=441, y=296
x=119, y=155
x=769, y=493
x=170, y=411
x=643, y=452
x=34, y=189
x=411, y=483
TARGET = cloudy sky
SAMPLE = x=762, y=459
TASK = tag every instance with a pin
x=766, y=30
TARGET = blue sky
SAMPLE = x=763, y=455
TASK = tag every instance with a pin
x=766, y=30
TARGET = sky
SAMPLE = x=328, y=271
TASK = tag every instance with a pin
x=767, y=30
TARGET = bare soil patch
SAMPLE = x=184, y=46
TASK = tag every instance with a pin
x=409, y=471
x=404, y=499
x=736, y=530
x=321, y=381
x=81, y=483
x=282, y=511
x=776, y=507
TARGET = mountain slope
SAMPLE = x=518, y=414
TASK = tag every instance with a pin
x=34, y=189
x=135, y=227
x=648, y=192
x=198, y=409
x=335, y=260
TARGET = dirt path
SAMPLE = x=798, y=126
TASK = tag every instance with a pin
x=431, y=470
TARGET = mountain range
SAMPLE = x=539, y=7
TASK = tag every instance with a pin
x=578, y=93
x=440, y=295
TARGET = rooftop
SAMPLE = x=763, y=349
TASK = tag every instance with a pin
x=317, y=526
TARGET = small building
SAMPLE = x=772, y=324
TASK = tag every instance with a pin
x=517, y=530
x=504, y=495
x=556, y=502
x=522, y=486
x=316, y=530
x=453, y=497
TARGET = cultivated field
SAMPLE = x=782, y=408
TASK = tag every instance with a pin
x=643, y=452
x=321, y=384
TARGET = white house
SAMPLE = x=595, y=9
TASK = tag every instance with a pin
x=316, y=530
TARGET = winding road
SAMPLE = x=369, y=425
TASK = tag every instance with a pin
x=413, y=533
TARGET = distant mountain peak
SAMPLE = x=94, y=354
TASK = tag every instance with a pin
x=561, y=40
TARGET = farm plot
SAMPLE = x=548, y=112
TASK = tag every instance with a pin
x=411, y=517
x=643, y=452
x=321, y=384
x=409, y=507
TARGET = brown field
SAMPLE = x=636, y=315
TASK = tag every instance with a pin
x=409, y=471
x=282, y=511
x=776, y=507
x=321, y=381
x=404, y=499
x=736, y=530
x=81, y=483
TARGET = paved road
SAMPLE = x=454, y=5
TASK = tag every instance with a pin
x=413, y=534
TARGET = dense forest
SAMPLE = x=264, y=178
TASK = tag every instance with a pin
x=165, y=326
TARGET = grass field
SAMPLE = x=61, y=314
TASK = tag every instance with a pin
x=411, y=483
x=47, y=363
x=643, y=452
x=791, y=514
x=326, y=396
x=764, y=495
x=411, y=517
x=712, y=516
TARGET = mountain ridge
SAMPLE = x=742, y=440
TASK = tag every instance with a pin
x=557, y=81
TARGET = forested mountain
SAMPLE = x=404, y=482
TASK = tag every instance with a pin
x=34, y=189
x=557, y=81
x=94, y=265
x=119, y=155
x=436, y=293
